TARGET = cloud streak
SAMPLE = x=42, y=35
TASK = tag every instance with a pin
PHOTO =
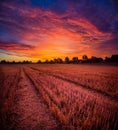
x=14, y=46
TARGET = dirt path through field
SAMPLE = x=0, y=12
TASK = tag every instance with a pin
x=31, y=113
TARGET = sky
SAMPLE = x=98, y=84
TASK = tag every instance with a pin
x=47, y=29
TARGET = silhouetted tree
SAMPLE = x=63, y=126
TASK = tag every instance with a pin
x=107, y=59
x=114, y=58
x=3, y=62
x=39, y=61
x=67, y=60
x=85, y=57
x=93, y=59
x=26, y=62
x=55, y=60
x=60, y=60
x=100, y=59
x=75, y=60
x=96, y=59
x=13, y=62
x=51, y=62
x=47, y=61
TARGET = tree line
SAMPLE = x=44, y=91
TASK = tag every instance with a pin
x=67, y=60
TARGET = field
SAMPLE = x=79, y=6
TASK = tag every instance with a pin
x=58, y=97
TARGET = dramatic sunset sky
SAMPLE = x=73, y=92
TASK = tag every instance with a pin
x=46, y=29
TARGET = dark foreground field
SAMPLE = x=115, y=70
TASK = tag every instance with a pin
x=58, y=97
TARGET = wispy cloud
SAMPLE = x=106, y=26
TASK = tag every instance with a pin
x=14, y=46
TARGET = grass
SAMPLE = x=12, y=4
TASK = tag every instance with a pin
x=8, y=84
x=74, y=94
x=75, y=107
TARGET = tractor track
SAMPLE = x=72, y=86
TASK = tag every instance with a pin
x=86, y=88
x=29, y=109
